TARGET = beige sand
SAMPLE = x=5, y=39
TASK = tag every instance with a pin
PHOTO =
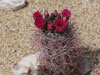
x=17, y=27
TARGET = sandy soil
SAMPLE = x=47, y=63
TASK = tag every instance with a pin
x=17, y=27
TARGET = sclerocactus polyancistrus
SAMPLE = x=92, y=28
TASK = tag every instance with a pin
x=60, y=53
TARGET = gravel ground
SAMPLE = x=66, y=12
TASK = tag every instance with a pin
x=17, y=27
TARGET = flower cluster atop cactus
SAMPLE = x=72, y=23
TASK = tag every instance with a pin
x=54, y=22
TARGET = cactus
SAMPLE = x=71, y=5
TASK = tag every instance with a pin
x=60, y=53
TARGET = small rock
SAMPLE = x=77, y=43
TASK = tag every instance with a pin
x=11, y=4
x=28, y=65
x=86, y=67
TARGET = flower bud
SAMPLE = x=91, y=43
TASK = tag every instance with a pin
x=46, y=14
x=50, y=26
x=55, y=13
x=64, y=18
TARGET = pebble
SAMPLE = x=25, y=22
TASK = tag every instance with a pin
x=0, y=63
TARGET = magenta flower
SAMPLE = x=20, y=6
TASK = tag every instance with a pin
x=50, y=26
x=66, y=13
x=60, y=25
x=40, y=23
x=37, y=15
